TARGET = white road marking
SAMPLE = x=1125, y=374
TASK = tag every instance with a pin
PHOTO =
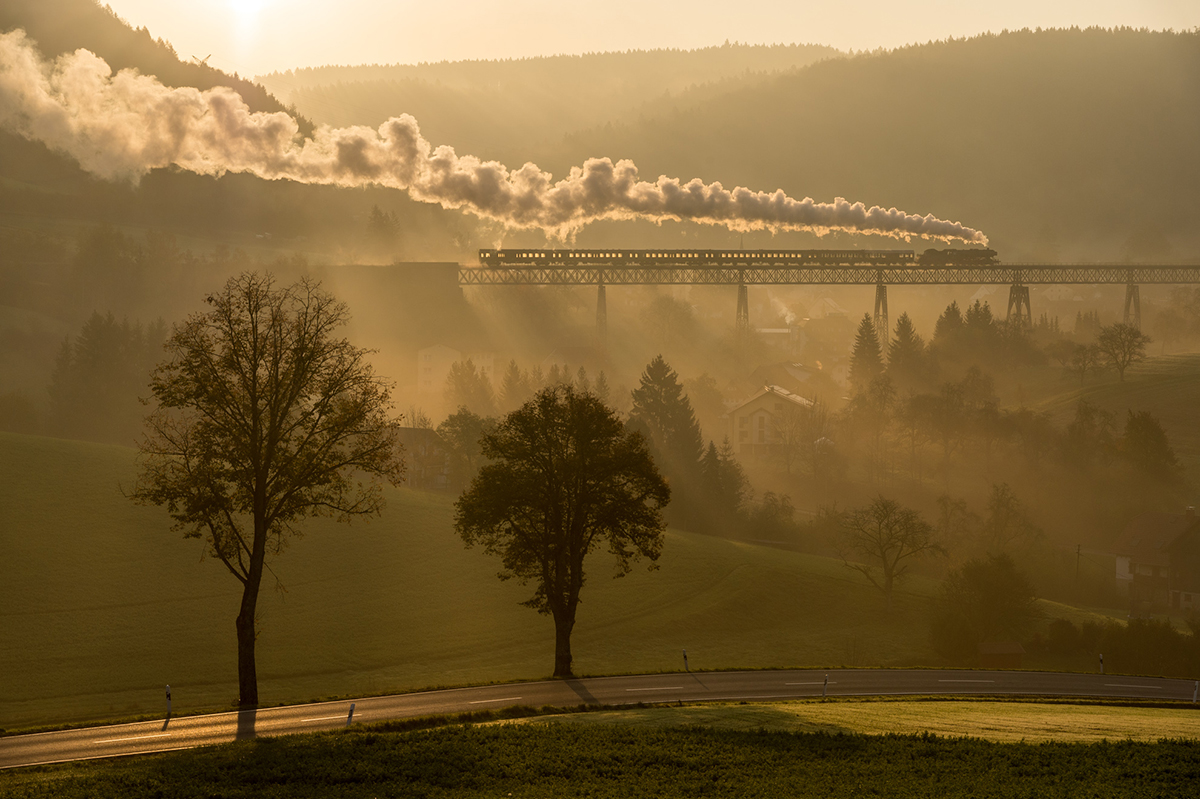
x=667, y=688
x=484, y=701
x=1119, y=685
x=135, y=738
x=966, y=680
x=326, y=718
x=818, y=682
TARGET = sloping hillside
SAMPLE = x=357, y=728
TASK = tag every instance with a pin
x=101, y=603
x=1059, y=143
x=513, y=110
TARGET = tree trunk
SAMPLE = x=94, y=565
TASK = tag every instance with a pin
x=246, y=633
x=564, y=621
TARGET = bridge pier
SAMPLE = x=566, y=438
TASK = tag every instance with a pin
x=1019, y=309
x=1133, y=305
x=882, y=328
x=601, y=316
x=742, y=322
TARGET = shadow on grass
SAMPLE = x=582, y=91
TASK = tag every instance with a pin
x=245, y=726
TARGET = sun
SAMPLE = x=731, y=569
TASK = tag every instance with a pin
x=246, y=11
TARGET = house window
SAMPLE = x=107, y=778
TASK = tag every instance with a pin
x=742, y=421
x=762, y=429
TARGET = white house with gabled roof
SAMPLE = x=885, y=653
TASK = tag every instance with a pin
x=753, y=422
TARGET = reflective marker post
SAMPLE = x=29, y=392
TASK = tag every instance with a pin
x=685, y=665
x=168, y=701
x=350, y=718
x=1195, y=691
x=825, y=687
x=1101, y=662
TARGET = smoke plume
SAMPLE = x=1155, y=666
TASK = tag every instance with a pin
x=121, y=126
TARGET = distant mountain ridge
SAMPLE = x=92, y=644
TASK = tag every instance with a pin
x=508, y=109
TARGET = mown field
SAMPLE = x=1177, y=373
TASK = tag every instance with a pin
x=605, y=760
x=101, y=604
x=999, y=721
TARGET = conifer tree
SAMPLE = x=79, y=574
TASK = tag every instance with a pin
x=660, y=404
x=515, y=388
x=906, y=356
x=866, y=361
x=949, y=326
x=600, y=388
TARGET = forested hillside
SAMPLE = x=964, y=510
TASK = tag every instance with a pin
x=511, y=110
x=1060, y=144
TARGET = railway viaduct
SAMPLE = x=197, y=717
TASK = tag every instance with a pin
x=742, y=268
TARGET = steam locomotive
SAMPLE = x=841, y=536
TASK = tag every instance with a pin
x=724, y=258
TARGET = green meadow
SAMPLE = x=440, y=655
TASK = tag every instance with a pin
x=622, y=761
x=1166, y=385
x=102, y=604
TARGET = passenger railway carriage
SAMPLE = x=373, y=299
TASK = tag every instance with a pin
x=516, y=258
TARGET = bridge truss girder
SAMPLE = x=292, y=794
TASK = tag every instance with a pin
x=1026, y=274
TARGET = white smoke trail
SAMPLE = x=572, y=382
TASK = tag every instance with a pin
x=122, y=126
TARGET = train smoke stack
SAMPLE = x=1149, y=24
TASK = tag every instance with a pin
x=121, y=126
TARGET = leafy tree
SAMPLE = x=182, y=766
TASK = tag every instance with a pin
x=1061, y=350
x=1090, y=436
x=462, y=432
x=773, y=519
x=887, y=537
x=564, y=477
x=265, y=417
x=1007, y=522
x=1123, y=345
x=866, y=359
x=984, y=599
x=956, y=523
x=1146, y=446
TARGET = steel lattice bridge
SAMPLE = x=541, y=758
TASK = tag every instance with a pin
x=742, y=268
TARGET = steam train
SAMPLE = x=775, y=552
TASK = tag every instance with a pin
x=514, y=258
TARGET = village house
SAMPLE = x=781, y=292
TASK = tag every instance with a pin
x=754, y=424
x=1158, y=562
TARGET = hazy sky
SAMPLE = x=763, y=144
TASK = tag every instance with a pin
x=257, y=36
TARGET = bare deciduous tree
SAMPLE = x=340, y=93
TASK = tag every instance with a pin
x=887, y=537
x=1123, y=345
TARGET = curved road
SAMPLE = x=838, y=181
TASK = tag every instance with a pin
x=164, y=736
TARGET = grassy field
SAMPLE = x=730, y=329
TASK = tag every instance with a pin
x=1167, y=385
x=1003, y=722
x=606, y=760
x=101, y=604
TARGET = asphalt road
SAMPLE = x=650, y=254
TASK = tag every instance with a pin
x=182, y=733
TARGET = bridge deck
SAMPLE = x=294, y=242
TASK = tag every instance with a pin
x=766, y=274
